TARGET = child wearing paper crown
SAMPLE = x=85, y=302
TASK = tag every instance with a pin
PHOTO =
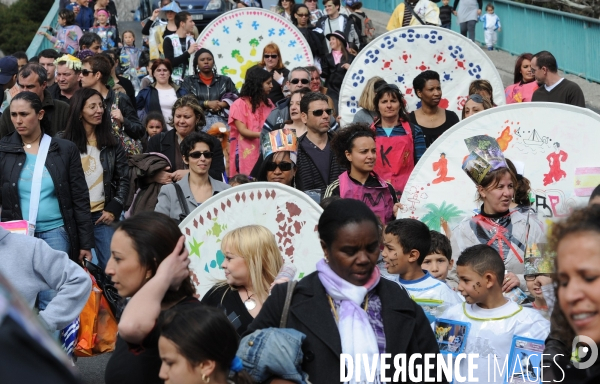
x=406, y=244
x=494, y=319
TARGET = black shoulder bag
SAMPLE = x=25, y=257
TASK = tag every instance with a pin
x=412, y=10
x=182, y=202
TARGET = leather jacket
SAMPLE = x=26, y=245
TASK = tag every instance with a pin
x=220, y=86
x=64, y=165
x=131, y=123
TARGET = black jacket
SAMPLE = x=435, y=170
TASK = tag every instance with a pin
x=147, y=99
x=406, y=328
x=64, y=165
x=276, y=93
x=308, y=176
x=220, y=86
x=131, y=123
x=165, y=143
x=316, y=41
x=334, y=75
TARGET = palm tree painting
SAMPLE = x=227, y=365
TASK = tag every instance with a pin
x=438, y=216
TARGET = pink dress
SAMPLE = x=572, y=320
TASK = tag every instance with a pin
x=520, y=93
x=245, y=150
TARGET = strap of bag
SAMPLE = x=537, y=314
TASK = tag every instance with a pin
x=182, y=201
x=411, y=9
x=36, y=183
x=288, y=299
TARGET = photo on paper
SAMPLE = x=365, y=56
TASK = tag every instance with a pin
x=451, y=335
x=488, y=149
x=476, y=167
x=524, y=364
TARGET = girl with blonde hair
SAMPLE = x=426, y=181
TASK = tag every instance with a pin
x=252, y=262
x=368, y=112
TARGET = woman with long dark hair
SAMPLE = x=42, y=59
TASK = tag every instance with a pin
x=335, y=65
x=149, y=264
x=524, y=81
x=246, y=119
x=301, y=18
x=104, y=164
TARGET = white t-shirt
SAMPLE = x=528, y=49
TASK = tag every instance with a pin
x=94, y=177
x=167, y=98
x=549, y=88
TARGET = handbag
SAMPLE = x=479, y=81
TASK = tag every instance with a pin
x=291, y=285
x=185, y=210
x=131, y=146
x=116, y=302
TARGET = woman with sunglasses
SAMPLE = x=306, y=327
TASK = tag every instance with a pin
x=284, y=8
x=197, y=187
x=335, y=65
x=104, y=165
x=475, y=104
x=272, y=62
x=316, y=41
x=279, y=164
x=246, y=119
x=355, y=149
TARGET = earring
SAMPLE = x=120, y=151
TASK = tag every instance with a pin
x=326, y=259
x=205, y=379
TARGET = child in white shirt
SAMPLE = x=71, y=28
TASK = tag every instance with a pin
x=491, y=24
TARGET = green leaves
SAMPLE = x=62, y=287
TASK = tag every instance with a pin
x=20, y=22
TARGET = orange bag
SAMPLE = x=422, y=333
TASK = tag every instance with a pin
x=97, y=325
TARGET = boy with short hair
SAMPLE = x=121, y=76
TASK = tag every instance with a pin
x=439, y=258
x=491, y=24
x=406, y=244
x=494, y=319
x=446, y=15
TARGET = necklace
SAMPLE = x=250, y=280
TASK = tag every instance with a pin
x=28, y=145
x=335, y=314
x=250, y=303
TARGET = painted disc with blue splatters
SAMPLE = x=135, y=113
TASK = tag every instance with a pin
x=400, y=55
x=237, y=39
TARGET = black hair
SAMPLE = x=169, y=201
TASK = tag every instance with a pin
x=262, y=172
x=181, y=17
x=194, y=138
x=336, y=3
x=239, y=179
x=154, y=236
x=423, y=77
x=68, y=16
x=88, y=39
x=36, y=68
x=49, y=54
x=355, y=6
x=440, y=244
x=522, y=188
x=483, y=259
x=295, y=9
x=197, y=56
x=158, y=116
x=75, y=130
x=36, y=103
x=114, y=54
x=411, y=234
x=34, y=59
x=102, y=64
x=203, y=333
x=253, y=87
x=328, y=200
x=343, y=140
x=546, y=59
x=595, y=192
x=340, y=213
x=144, y=59
x=20, y=55
x=309, y=98
x=387, y=89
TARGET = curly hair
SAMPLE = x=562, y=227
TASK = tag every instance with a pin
x=343, y=141
x=253, y=87
x=189, y=101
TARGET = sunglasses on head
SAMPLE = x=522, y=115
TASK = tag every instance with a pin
x=319, y=112
x=267, y=56
x=296, y=81
x=197, y=155
x=476, y=98
x=284, y=166
x=387, y=86
x=86, y=72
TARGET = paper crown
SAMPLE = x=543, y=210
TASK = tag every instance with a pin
x=71, y=61
x=280, y=140
x=173, y=7
x=485, y=156
x=538, y=259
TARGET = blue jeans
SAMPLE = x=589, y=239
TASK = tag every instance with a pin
x=102, y=236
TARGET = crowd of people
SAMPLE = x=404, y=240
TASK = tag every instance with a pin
x=105, y=148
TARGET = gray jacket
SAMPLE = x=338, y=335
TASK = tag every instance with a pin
x=168, y=203
x=32, y=266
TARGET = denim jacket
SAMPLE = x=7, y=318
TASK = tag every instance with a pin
x=273, y=352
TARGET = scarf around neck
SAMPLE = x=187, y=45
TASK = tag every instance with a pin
x=356, y=333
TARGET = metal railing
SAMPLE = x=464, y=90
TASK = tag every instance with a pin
x=39, y=42
x=574, y=40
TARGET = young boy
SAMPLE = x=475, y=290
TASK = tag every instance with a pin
x=406, y=244
x=494, y=319
x=446, y=14
x=439, y=258
x=491, y=24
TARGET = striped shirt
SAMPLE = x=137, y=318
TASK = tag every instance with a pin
x=418, y=138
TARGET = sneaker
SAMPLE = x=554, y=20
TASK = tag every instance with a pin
x=490, y=48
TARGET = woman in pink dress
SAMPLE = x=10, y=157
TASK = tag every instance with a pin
x=525, y=84
x=246, y=118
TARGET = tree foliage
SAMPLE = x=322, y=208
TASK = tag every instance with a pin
x=20, y=22
x=589, y=8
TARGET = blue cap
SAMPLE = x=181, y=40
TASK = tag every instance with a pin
x=8, y=68
x=350, y=3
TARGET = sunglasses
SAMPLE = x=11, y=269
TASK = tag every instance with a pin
x=532, y=277
x=319, y=112
x=310, y=1
x=270, y=56
x=197, y=155
x=296, y=81
x=86, y=72
x=302, y=14
x=284, y=166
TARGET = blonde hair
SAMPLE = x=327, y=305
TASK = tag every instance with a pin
x=368, y=94
x=257, y=246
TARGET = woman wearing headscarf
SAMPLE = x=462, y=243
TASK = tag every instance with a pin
x=215, y=92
